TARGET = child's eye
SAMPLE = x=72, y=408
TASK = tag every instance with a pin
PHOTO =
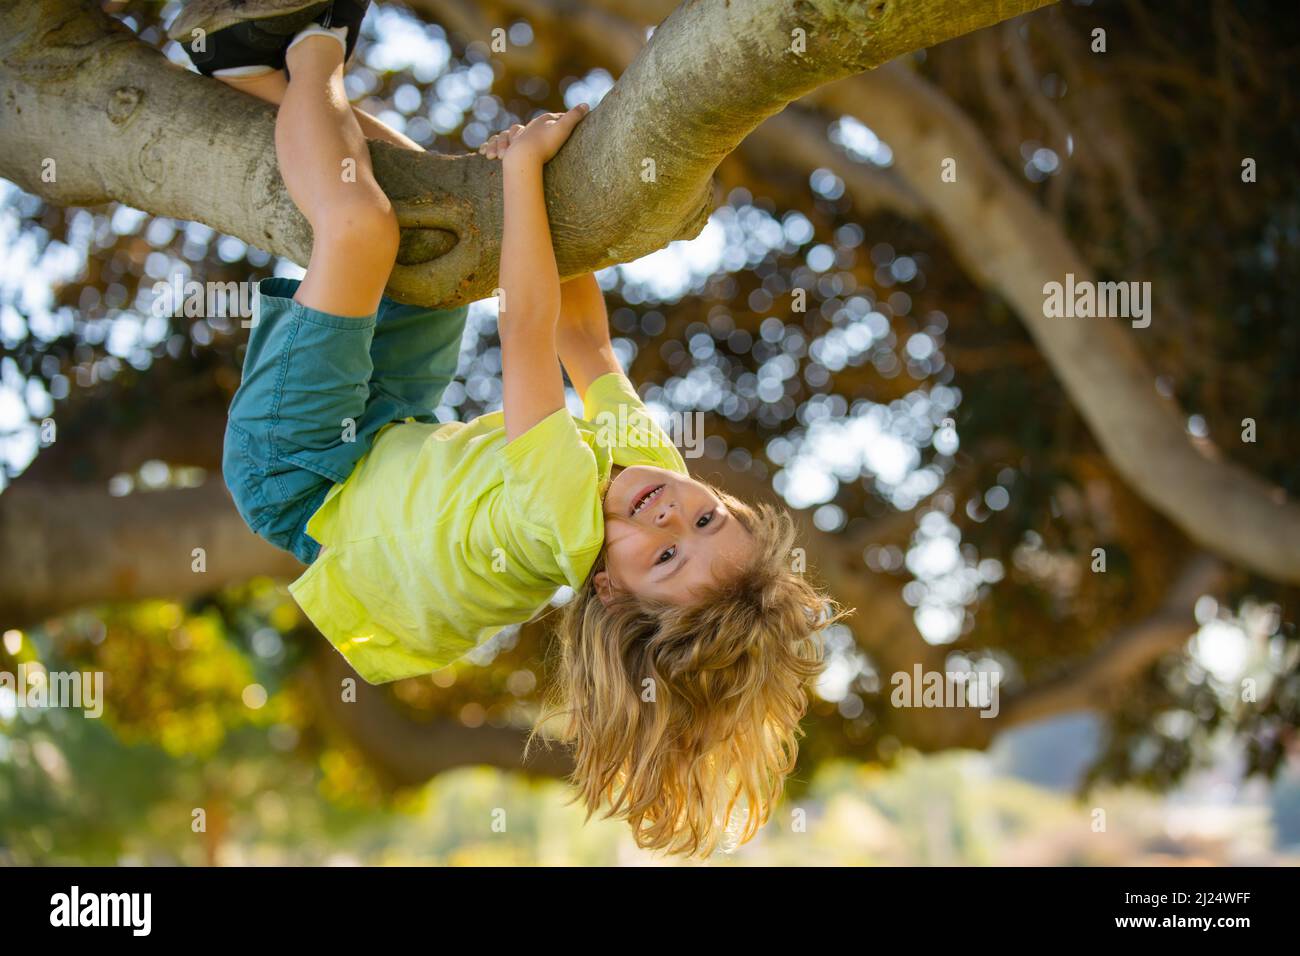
x=704, y=520
x=667, y=554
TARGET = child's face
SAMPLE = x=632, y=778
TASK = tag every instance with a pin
x=675, y=537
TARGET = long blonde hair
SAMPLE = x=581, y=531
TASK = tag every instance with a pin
x=684, y=720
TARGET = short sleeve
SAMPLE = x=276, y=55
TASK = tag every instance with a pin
x=625, y=426
x=552, y=482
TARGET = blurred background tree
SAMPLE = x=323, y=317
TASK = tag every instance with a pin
x=954, y=463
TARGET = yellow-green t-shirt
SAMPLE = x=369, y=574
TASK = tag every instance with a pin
x=444, y=534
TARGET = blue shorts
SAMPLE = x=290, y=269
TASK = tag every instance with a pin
x=316, y=390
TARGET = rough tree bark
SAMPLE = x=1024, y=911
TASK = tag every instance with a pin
x=121, y=123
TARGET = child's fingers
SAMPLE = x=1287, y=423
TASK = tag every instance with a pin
x=565, y=122
x=496, y=145
x=570, y=118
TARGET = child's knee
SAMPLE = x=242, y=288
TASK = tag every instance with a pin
x=362, y=227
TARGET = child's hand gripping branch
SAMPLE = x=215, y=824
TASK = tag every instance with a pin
x=532, y=385
x=582, y=335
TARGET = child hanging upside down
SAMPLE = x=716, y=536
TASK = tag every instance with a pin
x=687, y=649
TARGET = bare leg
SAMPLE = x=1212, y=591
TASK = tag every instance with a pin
x=325, y=164
x=271, y=87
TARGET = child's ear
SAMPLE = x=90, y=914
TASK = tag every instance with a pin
x=604, y=590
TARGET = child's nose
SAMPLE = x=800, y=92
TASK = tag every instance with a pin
x=666, y=514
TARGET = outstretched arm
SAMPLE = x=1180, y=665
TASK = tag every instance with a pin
x=582, y=337
x=532, y=384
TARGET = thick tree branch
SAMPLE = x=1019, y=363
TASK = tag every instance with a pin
x=121, y=123
x=66, y=546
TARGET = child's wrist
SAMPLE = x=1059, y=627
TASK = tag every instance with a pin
x=518, y=161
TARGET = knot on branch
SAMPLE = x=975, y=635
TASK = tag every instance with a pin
x=424, y=244
x=122, y=103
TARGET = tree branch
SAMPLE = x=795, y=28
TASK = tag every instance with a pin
x=121, y=123
x=66, y=546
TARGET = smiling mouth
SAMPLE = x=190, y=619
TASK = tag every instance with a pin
x=648, y=494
